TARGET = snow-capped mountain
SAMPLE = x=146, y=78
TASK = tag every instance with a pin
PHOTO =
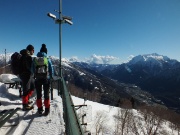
x=152, y=60
x=144, y=66
x=152, y=73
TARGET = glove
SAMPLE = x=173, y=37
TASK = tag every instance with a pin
x=51, y=78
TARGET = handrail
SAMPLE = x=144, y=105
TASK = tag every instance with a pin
x=73, y=126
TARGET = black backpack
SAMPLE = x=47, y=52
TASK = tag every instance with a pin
x=19, y=62
x=15, y=63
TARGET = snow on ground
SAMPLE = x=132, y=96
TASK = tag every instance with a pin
x=29, y=123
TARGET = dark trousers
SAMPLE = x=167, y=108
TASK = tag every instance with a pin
x=39, y=83
x=27, y=84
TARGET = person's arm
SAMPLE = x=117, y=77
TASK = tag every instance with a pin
x=51, y=70
x=29, y=63
x=33, y=66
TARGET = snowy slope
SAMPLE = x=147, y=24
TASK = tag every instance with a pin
x=31, y=124
x=29, y=121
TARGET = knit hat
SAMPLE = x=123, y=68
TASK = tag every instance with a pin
x=30, y=47
x=43, y=48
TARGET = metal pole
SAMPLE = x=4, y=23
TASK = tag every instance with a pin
x=5, y=62
x=60, y=46
x=60, y=37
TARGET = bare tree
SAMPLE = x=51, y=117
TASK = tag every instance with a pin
x=152, y=121
x=175, y=123
x=100, y=122
x=123, y=122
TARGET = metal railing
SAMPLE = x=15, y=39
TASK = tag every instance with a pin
x=72, y=123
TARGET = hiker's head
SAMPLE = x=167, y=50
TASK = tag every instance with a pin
x=24, y=52
x=30, y=48
x=43, y=48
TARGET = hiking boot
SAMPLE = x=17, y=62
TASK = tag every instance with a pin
x=40, y=111
x=46, y=111
x=30, y=101
x=27, y=107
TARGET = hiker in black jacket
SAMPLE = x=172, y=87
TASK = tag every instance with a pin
x=30, y=48
x=27, y=76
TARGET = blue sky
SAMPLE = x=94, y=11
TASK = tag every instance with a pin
x=101, y=29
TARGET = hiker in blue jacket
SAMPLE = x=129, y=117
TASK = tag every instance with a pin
x=43, y=81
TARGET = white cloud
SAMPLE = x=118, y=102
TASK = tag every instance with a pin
x=101, y=59
x=73, y=59
x=95, y=59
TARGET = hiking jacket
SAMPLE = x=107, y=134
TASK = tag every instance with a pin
x=50, y=67
x=26, y=61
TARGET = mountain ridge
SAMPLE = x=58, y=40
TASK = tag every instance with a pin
x=152, y=73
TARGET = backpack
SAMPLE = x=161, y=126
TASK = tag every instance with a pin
x=41, y=67
x=15, y=63
x=19, y=63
